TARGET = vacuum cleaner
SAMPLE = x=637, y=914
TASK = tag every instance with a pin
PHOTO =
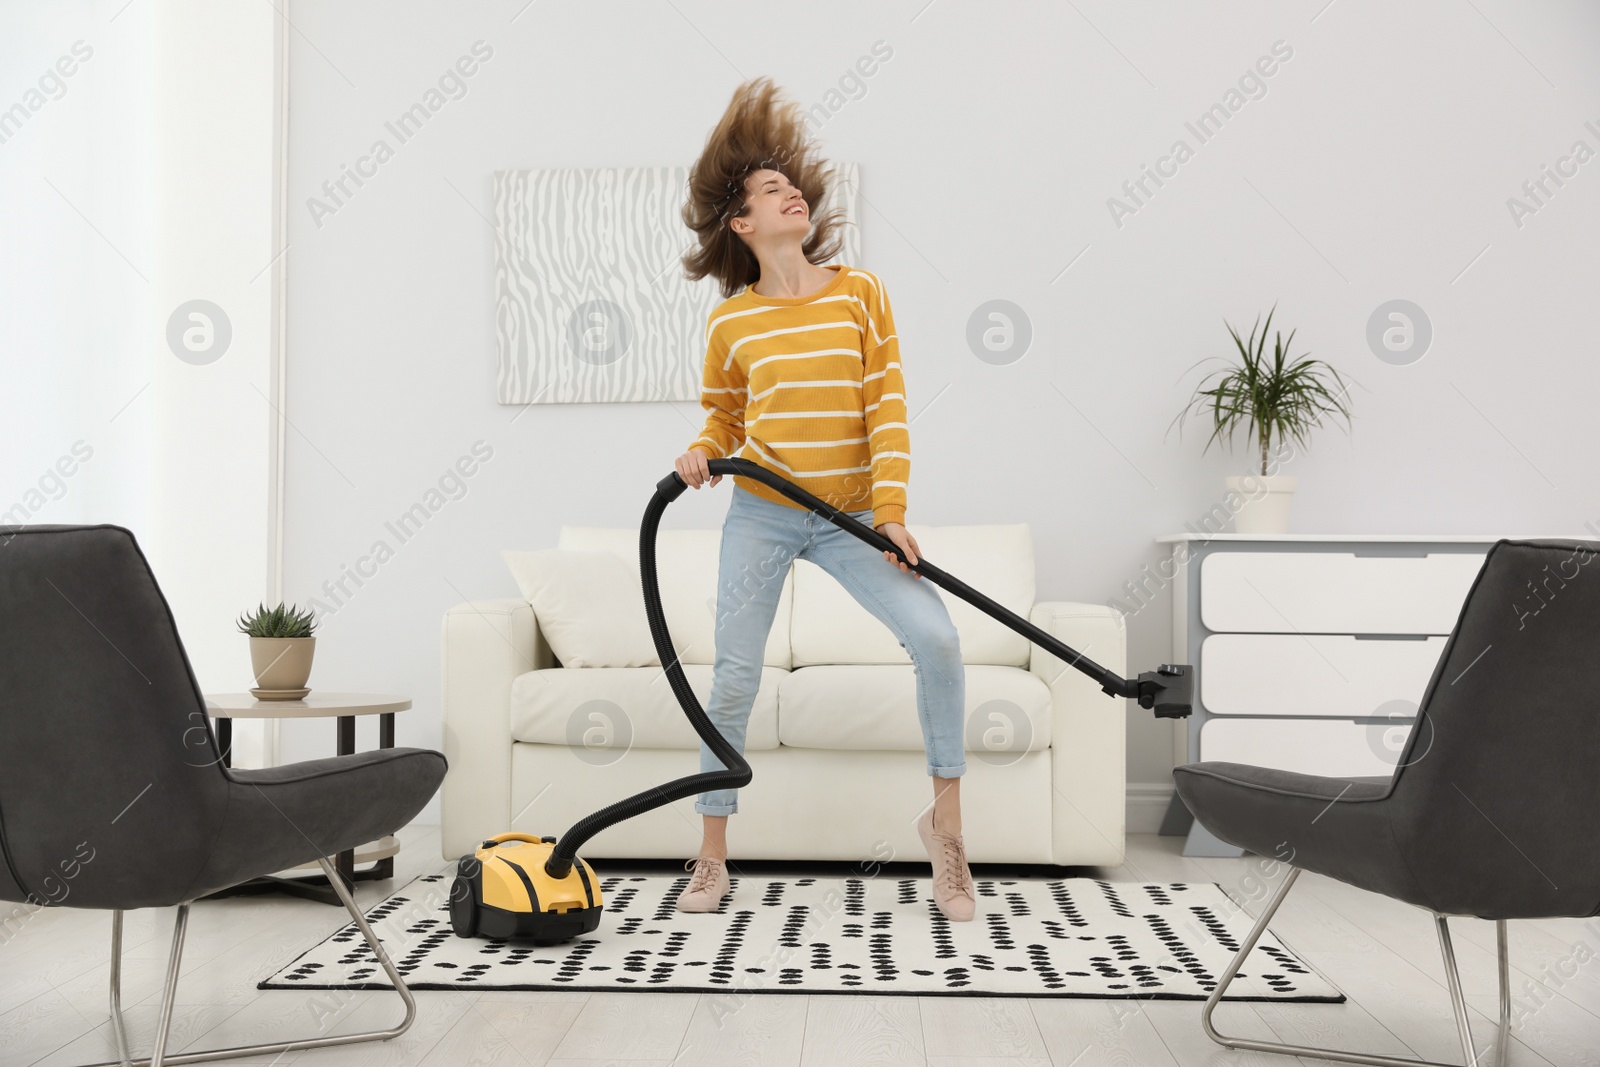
x=521, y=886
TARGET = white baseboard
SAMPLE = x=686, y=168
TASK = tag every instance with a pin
x=1147, y=806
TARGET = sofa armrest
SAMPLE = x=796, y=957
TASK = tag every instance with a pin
x=487, y=644
x=1088, y=732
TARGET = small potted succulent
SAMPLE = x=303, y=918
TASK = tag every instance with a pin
x=280, y=650
x=1269, y=397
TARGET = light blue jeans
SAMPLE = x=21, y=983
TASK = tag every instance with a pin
x=760, y=538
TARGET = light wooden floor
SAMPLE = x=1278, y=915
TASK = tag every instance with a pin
x=1384, y=955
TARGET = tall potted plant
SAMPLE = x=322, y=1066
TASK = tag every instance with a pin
x=1269, y=397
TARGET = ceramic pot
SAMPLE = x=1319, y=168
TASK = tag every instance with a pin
x=281, y=663
x=1266, y=499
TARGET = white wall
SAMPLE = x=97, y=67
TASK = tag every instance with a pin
x=74, y=264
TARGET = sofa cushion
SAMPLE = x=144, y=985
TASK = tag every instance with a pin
x=686, y=566
x=595, y=708
x=589, y=606
x=829, y=627
x=863, y=707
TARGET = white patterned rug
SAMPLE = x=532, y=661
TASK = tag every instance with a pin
x=1072, y=937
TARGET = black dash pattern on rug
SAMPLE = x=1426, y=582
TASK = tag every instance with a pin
x=1070, y=937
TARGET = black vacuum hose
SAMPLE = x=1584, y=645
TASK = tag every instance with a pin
x=735, y=772
x=1167, y=690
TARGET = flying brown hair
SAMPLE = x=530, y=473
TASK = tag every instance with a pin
x=759, y=131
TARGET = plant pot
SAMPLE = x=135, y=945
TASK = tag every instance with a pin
x=1266, y=499
x=282, y=664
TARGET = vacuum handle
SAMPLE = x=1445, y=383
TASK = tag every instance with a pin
x=1167, y=690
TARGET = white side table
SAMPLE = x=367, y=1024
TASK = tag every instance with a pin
x=225, y=707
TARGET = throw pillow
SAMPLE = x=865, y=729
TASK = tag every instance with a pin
x=590, y=606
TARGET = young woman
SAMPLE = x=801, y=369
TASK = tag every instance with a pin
x=802, y=377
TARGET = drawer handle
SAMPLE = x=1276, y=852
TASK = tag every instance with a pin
x=1391, y=637
x=1398, y=553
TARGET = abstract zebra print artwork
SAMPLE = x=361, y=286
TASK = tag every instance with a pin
x=1066, y=937
x=591, y=305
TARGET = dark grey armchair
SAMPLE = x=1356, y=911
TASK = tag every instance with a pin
x=1493, y=810
x=112, y=790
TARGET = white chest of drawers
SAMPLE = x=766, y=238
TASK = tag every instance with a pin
x=1310, y=651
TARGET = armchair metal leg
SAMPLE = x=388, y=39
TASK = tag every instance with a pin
x=164, y=1021
x=1503, y=1038
x=1458, y=1002
x=1453, y=977
x=116, y=988
x=158, y=1055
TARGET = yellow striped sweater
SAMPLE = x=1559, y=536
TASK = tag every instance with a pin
x=810, y=388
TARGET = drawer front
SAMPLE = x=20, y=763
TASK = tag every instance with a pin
x=1335, y=592
x=1314, y=674
x=1330, y=747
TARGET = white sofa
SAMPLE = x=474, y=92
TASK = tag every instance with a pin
x=834, y=740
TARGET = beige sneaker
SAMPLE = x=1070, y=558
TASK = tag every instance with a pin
x=952, y=877
x=707, y=887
